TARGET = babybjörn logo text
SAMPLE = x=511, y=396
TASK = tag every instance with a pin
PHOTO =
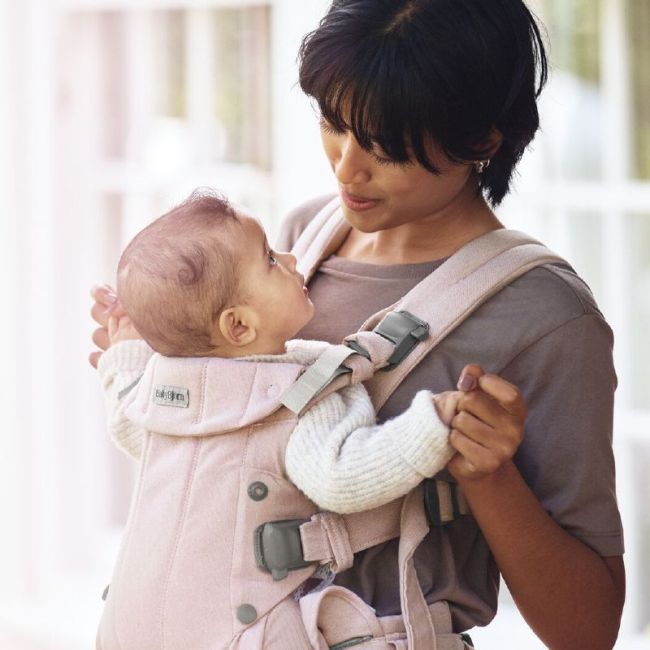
x=171, y=396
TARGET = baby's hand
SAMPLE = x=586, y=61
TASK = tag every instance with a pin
x=121, y=328
x=446, y=404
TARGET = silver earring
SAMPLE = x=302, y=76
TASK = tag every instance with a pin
x=481, y=165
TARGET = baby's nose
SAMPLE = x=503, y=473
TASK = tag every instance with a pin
x=289, y=261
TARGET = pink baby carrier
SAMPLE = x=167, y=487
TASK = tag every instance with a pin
x=218, y=540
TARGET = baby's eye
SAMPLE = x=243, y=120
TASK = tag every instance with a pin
x=273, y=260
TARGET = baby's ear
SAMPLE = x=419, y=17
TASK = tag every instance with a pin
x=236, y=326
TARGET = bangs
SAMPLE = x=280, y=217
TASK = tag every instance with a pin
x=368, y=89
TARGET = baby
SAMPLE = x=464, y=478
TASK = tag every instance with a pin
x=202, y=281
x=203, y=289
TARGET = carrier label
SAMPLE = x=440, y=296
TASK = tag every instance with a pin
x=171, y=396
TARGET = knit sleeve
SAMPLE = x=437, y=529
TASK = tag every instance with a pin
x=119, y=367
x=345, y=462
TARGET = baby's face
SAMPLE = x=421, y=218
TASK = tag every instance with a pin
x=272, y=286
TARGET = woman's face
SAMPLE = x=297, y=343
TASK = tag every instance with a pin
x=377, y=194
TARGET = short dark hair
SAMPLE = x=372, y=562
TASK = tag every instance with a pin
x=399, y=73
x=176, y=275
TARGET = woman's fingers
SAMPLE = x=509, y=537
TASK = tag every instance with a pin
x=106, y=304
x=103, y=294
x=473, y=459
x=505, y=393
x=100, y=338
x=93, y=358
x=498, y=442
x=489, y=425
x=469, y=377
x=481, y=407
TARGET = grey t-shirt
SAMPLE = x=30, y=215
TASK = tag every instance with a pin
x=545, y=334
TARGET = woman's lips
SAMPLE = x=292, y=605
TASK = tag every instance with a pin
x=357, y=203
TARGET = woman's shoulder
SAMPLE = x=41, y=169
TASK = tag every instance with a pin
x=556, y=288
x=298, y=219
x=549, y=308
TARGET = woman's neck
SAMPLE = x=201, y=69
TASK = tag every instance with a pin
x=424, y=240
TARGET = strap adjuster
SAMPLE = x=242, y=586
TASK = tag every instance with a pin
x=278, y=547
x=404, y=331
x=443, y=502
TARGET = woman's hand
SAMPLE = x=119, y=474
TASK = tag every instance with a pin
x=488, y=427
x=106, y=306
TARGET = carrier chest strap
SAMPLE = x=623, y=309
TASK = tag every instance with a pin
x=329, y=538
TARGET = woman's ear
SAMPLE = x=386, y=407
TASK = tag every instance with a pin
x=491, y=144
x=237, y=326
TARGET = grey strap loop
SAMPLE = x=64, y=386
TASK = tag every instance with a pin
x=443, y=502
x=316, y=377
x=402, y=329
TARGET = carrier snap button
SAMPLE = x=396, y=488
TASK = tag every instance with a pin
x=258, y=491
x=272, y=391
x=246, y=614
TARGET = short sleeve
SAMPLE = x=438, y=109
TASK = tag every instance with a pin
x=568, y=380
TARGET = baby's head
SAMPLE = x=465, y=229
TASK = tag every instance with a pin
x=201, y=281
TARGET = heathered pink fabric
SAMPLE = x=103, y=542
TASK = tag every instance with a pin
x=187, y=561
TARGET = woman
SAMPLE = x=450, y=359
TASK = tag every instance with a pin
x=426, y=108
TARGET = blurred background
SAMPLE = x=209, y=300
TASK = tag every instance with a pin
x=114, y=110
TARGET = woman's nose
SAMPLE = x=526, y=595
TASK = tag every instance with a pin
x=351, y=162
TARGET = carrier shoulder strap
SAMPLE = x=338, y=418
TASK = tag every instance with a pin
x=444, y=299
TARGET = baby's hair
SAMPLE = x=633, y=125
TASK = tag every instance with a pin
x=177, y=275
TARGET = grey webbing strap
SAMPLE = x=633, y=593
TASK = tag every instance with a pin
x=316, y=377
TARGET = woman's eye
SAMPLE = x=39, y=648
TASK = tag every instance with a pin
x=272, y=258
x=326, y=127
x=382, y=160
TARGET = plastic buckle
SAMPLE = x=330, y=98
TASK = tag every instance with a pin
x=404, y=331
x=278, y=547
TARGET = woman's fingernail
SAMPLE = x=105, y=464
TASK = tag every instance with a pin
x=466, y=383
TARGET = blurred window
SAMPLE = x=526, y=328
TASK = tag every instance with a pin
x=638, y=14
x=584, y=188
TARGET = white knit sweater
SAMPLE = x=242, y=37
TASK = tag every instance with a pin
x=337, y=454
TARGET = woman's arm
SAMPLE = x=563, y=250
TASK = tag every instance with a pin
x=569, y=595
